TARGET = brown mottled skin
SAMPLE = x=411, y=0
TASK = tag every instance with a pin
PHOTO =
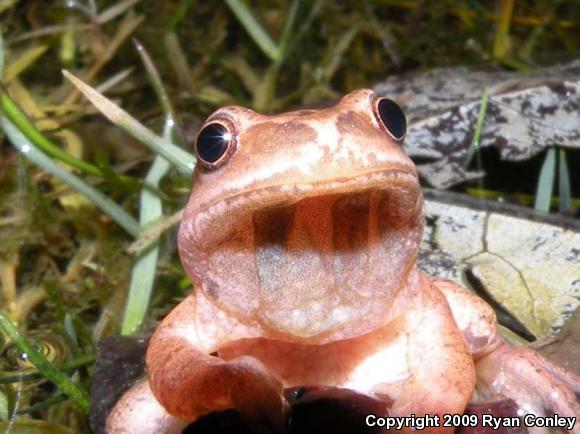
x=302, y=247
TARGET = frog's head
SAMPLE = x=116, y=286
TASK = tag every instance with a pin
x=306, y=222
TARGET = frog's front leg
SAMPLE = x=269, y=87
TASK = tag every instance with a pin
x=188, y=382
x=441, y=371
x=537, y=386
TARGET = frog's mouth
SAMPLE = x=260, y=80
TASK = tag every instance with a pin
x=308, y=261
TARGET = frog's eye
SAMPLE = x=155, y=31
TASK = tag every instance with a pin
x=391, y=117
x=214, y=145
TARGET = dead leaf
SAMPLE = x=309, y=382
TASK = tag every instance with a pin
x=529, y=263
x=526, y=113
x=565, y=348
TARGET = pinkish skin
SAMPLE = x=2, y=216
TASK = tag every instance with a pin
x=302, y=242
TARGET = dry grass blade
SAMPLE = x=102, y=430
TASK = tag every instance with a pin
x=151, y=233
x=7, y=4
x=126, y=28
x=51, y=30
x=501, y=41
x=178, y=62
x=182, y=160
x=117, y=9
x=8, y=290
x=337, y=52
x=114, y=80
x=25, y=60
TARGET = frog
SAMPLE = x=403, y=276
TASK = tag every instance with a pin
x=301, y=237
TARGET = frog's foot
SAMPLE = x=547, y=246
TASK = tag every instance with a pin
x=536, y=385
x=242, y=384
x=204, y=384
x=188, y=382
x=138, y=412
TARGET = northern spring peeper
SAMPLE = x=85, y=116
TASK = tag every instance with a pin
x=301, y=237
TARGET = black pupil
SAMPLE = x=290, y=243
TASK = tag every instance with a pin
x=212, y=142
x=393, y=117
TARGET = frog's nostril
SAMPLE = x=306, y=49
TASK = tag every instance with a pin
x=392, y=117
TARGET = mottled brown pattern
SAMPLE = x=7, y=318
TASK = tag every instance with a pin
x=295, y=134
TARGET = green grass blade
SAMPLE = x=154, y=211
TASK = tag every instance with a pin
x=118, y=214
x=151, y=210
x=474, y=146
x=154, y=79
x=305, y=26
x=42, y=405
x=143, y=273
x=183, y=161
x=49, y=371
x=546, y=182
x=160, y=92
x=21, y=121
x=34, y=374
x=564, y=189
x=284, y=42
x=256, y=31
x=179, y=15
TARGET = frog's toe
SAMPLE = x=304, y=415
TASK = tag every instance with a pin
x=535, y=384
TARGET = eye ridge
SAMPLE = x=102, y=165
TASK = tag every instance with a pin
x=392, y=117
x=214, y=144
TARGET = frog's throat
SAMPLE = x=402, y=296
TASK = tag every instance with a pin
x=306, y=260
